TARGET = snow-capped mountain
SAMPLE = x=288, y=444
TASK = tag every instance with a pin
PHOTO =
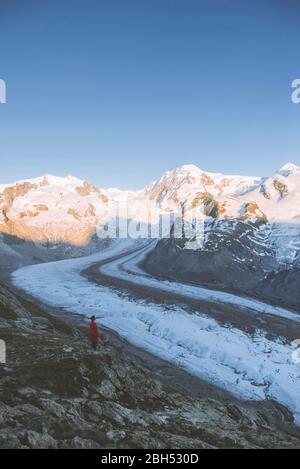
x=273, y=199
x=251, y=232
x=184, y=184
x=67, y=210
x=52, y=209
x=252, y=224
x=279, y=195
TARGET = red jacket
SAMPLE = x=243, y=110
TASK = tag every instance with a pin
x=94, y=332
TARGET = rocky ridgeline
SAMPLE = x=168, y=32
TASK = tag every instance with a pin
x=56, y=393
x=51, y=218
x=239, y=256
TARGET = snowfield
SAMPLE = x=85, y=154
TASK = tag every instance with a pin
x=250, y=367
x=128, y=269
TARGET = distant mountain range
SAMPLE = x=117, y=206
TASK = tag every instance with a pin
x=67, y=209
x=252, y=224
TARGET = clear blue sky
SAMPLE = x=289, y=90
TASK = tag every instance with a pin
x=118, y=91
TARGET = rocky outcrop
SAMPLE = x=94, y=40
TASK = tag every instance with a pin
x=263, y=190
x=211, y=207
x=87, y=189
x=89, y=212
x=16, y=252
x=251, y=211
x=37, y=209
x=247, y=256
x=281, y=187
x=283, y=286
x=56, y=393
x=10, y=193
x=238, y=247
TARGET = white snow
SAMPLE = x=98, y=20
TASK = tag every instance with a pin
x=128, y=268
x=55, y=207
x=249, y=367
x=183, y=183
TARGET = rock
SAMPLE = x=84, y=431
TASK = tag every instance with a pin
x=116, y=435
x=263, y=190
x=53, y=407
x=107, y=390
x=251, y=211
x=68, y=349
x=27, y=392
x=82, y=443
x=40, y=441
x=281, y=187
x=42, y=323
x=29, y=409
x=54, y=399
x=247, y=262
x=8, y=440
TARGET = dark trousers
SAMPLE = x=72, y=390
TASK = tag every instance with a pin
x=94, y=343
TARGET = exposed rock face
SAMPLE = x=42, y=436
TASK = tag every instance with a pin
x=248, y=256
x=183, y=184
x=280, y=187
x=16, y=252
x=282, y=285
x=212, y=208
x=251, y=211
x=253, y=227
x=87, y=189
x=56, y=393
x=11, y=193
x=37, y=210
x=67, y=210
x=234, y=256
x=264, y=192
x=89, y=212
x=60, y=215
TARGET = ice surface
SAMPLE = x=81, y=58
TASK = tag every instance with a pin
x=250, y=367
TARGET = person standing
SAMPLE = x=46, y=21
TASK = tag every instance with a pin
x=94, y=332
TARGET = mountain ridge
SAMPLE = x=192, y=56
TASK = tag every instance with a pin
x=66, y=210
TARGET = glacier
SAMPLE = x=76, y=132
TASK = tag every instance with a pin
x=249, y=366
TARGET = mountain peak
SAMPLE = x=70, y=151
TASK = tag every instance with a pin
x=287, y=169
x=60, y=180
x=190, y=168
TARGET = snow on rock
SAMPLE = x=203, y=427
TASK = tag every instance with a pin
x=52, y=209
x=180, y=186
x=288, y=169
x=68, y=210
x=275, y=197
x=278, y=196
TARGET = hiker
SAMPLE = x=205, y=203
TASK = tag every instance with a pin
x=94, y=332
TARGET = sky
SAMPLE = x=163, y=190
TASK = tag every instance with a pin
x=119, y=91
